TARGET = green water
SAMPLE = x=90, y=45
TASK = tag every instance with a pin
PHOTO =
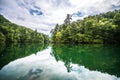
x=59, y=62
x=14, y=51
x=94, y=57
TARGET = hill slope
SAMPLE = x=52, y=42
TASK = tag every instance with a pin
x=103, y=28
x=10, y=32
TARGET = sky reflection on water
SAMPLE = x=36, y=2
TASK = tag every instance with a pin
x=43, y=66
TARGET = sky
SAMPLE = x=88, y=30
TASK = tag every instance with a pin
x=43, y=15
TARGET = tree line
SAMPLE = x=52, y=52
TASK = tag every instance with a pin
x=12, y=33
x=103, y=28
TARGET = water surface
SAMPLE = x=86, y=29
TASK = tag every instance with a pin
x=60, y=62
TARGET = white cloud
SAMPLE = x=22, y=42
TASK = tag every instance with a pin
x=44, y=14
x=48, y=68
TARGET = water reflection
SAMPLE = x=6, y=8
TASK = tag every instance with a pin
x=43, y=66
x=33, y=74
x=14, y=51
x=93, y=57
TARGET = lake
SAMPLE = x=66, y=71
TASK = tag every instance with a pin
x=59, y=62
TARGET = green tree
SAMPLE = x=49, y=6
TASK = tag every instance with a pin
x=68, y=19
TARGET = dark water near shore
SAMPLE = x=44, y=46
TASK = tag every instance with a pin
x=59, y=62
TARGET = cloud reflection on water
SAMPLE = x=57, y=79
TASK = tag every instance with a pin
x=43, y=66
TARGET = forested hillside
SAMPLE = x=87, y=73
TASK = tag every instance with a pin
x=12, y=33
x=103, y=28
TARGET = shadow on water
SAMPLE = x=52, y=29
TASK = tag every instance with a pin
x=11, y=52
x=94, y=57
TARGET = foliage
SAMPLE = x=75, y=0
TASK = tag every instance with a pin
x=2, y=38
x=103, y=29
x=12, y=33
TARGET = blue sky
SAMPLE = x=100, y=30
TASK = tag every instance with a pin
x=43, y=15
